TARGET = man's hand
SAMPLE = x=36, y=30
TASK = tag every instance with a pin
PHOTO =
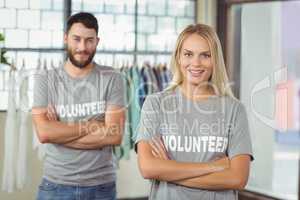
x=102, y=131
x=51, y=113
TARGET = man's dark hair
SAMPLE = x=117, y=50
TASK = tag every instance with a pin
x=87, y=19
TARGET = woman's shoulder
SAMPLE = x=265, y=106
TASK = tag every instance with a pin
x=159, y=97
x=233, y=104
x=162, y=95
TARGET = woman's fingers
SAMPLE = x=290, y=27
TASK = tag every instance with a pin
x=154, y=154
x=161, y=142
x=160, y=147
x=154, y=149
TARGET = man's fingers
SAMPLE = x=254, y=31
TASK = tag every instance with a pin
x=48, y=116
x=51, y=113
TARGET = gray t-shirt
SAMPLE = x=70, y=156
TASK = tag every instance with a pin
x=194, y=132
x=77, y=99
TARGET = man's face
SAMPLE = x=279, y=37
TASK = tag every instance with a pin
x=81, y=44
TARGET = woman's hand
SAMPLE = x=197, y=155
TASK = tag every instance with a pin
x=158, y=148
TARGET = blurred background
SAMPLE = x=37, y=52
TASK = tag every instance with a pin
x=261, y=45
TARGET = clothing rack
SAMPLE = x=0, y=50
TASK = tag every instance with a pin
x=16, y=65
x=136, y=56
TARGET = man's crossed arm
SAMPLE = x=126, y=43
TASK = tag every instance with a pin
x=91, y=134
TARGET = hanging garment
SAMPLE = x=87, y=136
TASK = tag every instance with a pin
x=152, y=83
x=37, y=145
x=157, y=72
x=143, y=86
x=126, y=143
x=23, y=115
x=134, y=107
x=10, y=138
x=35, y=141
x=166, y=77
x=122, y=151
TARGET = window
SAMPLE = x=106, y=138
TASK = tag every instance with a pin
x=266, y=34
x=34, y=31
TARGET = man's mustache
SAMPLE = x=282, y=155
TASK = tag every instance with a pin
x=82, y=52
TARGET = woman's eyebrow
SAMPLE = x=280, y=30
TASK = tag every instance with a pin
x=203, y=52
x=188, y=50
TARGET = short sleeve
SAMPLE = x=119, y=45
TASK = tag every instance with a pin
x=116, y=95
x=40, y=89
x=239, y=139
x=150, y=119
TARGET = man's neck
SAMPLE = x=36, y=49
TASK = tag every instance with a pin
x=77, y=72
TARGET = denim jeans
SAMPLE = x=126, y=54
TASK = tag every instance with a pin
x=52, y=191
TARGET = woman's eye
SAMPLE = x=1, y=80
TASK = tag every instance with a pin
x=187, y=54
x=206, y=55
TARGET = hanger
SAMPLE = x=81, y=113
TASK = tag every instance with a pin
x=12, y=66
x=23, y=64
x=52, y=64
x=147, y=64
x=45, y=64
x=38, y=67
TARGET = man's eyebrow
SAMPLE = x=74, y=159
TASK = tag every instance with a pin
x=77, y=36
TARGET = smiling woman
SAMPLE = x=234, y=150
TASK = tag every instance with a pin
x=187, y=162
x=198, y=53
x=195, y=60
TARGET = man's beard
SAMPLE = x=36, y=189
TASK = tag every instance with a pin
x=77, y=63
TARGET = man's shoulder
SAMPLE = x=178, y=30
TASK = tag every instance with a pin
x=103, y=67
x=48, y=74
x=106, y=71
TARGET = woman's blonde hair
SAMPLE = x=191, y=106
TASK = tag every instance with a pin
x=219, y=79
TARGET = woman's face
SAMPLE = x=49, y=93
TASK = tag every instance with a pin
x=195, y=60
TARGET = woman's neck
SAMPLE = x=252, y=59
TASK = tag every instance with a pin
x=196, y=92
